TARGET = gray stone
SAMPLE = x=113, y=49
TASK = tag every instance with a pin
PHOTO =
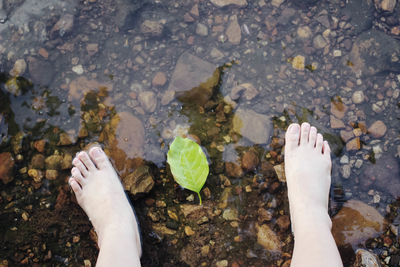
x=319, y=42
x=346, y=171
x=375, y=52
x=148, y=101
x=361, y=13
x=304, y=32
x=233, y=31
x=253, y=126
x=215, y=53
x=201, y=29
x=64, y=25
x=41, y=72
x=152, y=28
x=193, y=79
x=19, y=67
x=223, y=3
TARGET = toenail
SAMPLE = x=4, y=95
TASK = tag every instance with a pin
x=96, y=152
x=294, y=129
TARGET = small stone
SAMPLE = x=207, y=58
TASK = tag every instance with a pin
x=205, y=250
x=304, y=32
x=254, y=126
x=298, y=62
x=148, y=101
x=195, y=10
x=319, y=42
x=366, y=258
x=233, y=31
x=336, y=123
x=152, y=28
x=139, y=181
x=353, y=144
x=277, y=3
x=267, y=238
x=377, y=129
x=36, y=175
x=223, y=263
x=337, y=53
x=19, y=68
x=358, y=97
x=51, y=174
x=215, y=53
x=223, y=3
x=54, y=162
x=280, y=172
x=189, y=231
x=64, y=25
x=283, y=222
x=6, y=167
x=201, y=29
x=338, y=108
x=25, y=216
x=78, y=69
x=173, y=215
x=233, y=169
x=43, y=52
x=92, y=49
x=346, y=171
x=344, y=159
x=159, y=79
x=230, y=214
x=264, y=215
x=387, y=5
x=250, y=160
x=358, y=163
x=37, y=161
x=346, y=135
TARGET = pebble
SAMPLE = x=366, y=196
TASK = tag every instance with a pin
x=377, y=129
x=346, y=171
x=344, y=159
x=64, y=25
x=358, y=97
x=223, y=263
x=92, y=49
x=148, y=101
x=267, y=238
x=304, y=32
x=217, y=54
x=319, y=41
x=19, y=68
x=298, y=62
x=222, y=3
x=336, y=123
x=6, y=167
x=280, y=172
x=159, y=79
x=387, y=5
x=51, y=174
x=353, y=144
x=152, y=28
x=201, y=29
x=233, y=31
x=337, y=53
x=78, y=69
x=250, y=160
x=230, y=214
x=189, y=231
x=358, y=163
x=277, y=3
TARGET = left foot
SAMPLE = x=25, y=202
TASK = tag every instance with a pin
x=99, y=192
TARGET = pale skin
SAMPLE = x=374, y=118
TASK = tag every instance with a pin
x=308, y=175
x=99, y=192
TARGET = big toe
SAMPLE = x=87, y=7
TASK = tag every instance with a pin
x=292, y=137
x=99, y=157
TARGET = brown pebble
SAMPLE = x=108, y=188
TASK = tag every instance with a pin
x=43, y=52
x=40, y=145
x=250, y=160
x=336, y=123
x=353, y=144
x=159, y=79
x=283, y=222
x=346, y=135
x=377, y=129
x=233, y=169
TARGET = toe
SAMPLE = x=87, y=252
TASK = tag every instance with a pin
x=304, y=133
x=76, y=174
x=313, y=136
x=99, y=157
x=292, y=136
x=75, y=187
x=81, y=167
x=319, y=143
x=84, y=157
x=326, y=149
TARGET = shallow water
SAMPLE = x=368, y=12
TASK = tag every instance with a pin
x=79, y=72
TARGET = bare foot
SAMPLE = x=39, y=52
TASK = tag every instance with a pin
x=99, y=192
x=308, y=174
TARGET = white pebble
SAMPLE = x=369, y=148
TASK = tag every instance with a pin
x=358, y=97
x=337, y=53
x=78, y=69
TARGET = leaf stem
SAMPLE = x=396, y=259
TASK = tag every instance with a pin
x=198, y=193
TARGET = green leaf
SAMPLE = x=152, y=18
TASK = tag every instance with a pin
x=188, y=164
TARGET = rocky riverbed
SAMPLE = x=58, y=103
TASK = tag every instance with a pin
x=231, y=74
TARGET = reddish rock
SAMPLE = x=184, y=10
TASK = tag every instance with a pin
x=81, y=85
x=264, y=215
x=159, y=79
x=338, y=109
x=283, y=222
x=250, y=160
x=355, y=223
x=6, y=167
x=346, y=135
x=40, y=145
x=353, y=144
x=336, y=123
x=233, y=169
x=377, y=129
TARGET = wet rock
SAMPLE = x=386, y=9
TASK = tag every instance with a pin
x=78, y=69
x=366, y=258
x=358, y=97
x=250, y=160
x=338, y=109
x=152, y=28
x=189, y=231
x=40, y=145
x=377, y=129
x=304, y=32
x=224, y=199
x=92, y=49
x=159, y=79
x=193, y=79
x=65, y=140
x=246, y=89
x=353, y=144
x=6, y=167
x=361, y=13
x=233, y=31
x=373, y=52
x=251, y=125
x=222, y=3
x=264, y=215
x=280, y=172
x=230, y=214
x=82, y=85
x=355, y=223
x=267, y=238
x=223, y=263
x=54, y=162
x=194, y=212
x=201, y=29
x=148, y=101
x=139, y=181
x=124, y=137
x=18, y=68
x=217, y=54
x=298, y=62
x=13, y=87
x=64, y=25
x=233, y=169
x=336, y=123
x=283, y=222
x=67, y=162
x=36, y=175
x=37, y=161
x=277, y=3
x=346, y=171
x=162, y=230
x=319, y=42
x=385, y=173
x=51, y=174
x=41, y=72
x=385, y=5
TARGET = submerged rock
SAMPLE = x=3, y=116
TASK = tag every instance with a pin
x=373, y=52
x=366, y=258
x=222, y=3
x=361, y=13
x=233, y=31
x=377, y=129
x=268, y=238
x=355, y=223
x=6, y=167
x=252, y=125
x=194, y=79
x=139, y=181
x=41, y=72
x=151, y=27
x=82, y=85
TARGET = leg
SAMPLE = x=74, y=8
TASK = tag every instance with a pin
x=307, y=168
x=99, y=192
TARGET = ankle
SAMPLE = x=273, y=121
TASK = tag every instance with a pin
x=313, y=220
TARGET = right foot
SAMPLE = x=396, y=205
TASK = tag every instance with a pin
x=308, y=175
x=99, y=192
